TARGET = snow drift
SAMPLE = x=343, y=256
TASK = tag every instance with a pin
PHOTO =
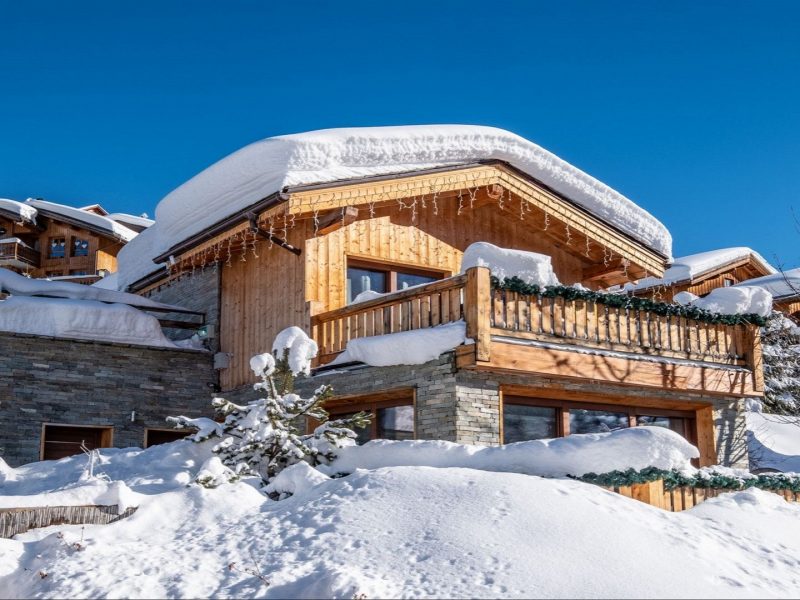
x=773, y=442
x=635, y=447
x=780, y=285
x=325, y=156
x=738, y=300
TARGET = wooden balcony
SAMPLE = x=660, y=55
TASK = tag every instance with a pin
x=556, y=337
x=18, y=255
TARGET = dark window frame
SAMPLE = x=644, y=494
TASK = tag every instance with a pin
x=346, y=406
x=50, y=254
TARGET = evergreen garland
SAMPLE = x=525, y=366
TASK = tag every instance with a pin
x=515, y=284
x=705, y=478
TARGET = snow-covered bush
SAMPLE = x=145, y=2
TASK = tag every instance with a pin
x=263, y=437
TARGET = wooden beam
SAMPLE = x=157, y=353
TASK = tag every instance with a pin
x=254, y=226
x=603, y=271
x=336, y=219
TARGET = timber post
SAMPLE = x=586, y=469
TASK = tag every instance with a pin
x=477, y=303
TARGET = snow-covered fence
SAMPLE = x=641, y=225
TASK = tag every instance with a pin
x=681, y=498
x=19, y=520
x=419, y=307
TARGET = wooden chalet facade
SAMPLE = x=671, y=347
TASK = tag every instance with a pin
x=533, y=366
x=52, y=241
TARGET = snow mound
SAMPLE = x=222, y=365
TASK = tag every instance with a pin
x=96, y=221
x=419, y=532
x=780, y=285
x=531, y=267
x=773, y=442
x=17, y=285
x=23, y=213
x=302, y=349
x=685, y=298
x=576, y=455
x=296, y=479
x=687, y=268
x=737, y=300
x=404, y=348
x=366, y=295
x=262, y=168
x=81, y=319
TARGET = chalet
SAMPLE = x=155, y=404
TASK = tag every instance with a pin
x=47, y=240
x=701, y=273
x=290, y=230
x=785, y=289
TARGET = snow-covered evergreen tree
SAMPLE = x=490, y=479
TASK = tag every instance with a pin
x=263, y=437
x=781, y=354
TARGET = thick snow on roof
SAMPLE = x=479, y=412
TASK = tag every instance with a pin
x=780, y=285
x=331, y=155
x=26, y=212
x=690, y=267
x=97, y=221
x=131, y=219
x=82, y=319
x=17, y=285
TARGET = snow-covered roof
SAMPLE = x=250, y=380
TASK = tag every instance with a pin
x=127, y=219
x=783, y=284
x=82, y=319
x=689, y=268
x=326, y=156
x=19, y=211
x=91, y=220
x=17, y=285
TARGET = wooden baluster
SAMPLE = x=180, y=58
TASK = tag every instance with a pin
x=522, y=312
x=455, y=305
x=498, y=308
x=425, y=312
x=547, y=315
x=613, y=324
x=436, y=314
x=559, y=326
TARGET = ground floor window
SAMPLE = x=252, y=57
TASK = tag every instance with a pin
x=538, y=418
x=154, y=437
x=392, y=415
x=59, y=441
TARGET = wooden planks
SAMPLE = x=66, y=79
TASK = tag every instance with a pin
x=679, y=499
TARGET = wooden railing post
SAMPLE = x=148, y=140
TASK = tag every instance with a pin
x=753, y=355
x=477, y=304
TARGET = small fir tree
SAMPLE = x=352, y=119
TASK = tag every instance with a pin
x=780, y=340
x=263, y=437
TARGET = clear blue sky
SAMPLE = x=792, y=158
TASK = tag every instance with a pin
x=692, y=109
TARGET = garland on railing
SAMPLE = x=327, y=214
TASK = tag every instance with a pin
x=515, y=284
x=707, y=478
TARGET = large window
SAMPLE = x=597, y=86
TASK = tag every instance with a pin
x=537, y=418
x=154, y=437
x=59, y=441
x=392, y=416
x=363, y=276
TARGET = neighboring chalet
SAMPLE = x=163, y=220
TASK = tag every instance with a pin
x=701, y=273
x=47, y=240
x=288, y=231
x=785, y=289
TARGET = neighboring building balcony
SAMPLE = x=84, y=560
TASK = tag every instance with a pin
x=557, y=337
x=15, y=253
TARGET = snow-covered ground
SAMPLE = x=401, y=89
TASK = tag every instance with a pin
x=395, y=531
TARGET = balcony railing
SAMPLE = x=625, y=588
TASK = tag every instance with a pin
x=496, y=316
x=18, y=255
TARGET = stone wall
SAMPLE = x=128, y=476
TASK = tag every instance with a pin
x=464, y=405
x=77, y=382
x=199, y=291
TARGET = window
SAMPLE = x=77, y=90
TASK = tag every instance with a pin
x=80, y=247
x=363, y=276
x=154, y=437
x=58, y=247
x=539, y=418
x=59, y=441
x=392, y=415
x=727, y=282
x=78, y=272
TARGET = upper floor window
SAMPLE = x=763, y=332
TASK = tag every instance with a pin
x=58, y=248
x=80, y=247
x=363, y=276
